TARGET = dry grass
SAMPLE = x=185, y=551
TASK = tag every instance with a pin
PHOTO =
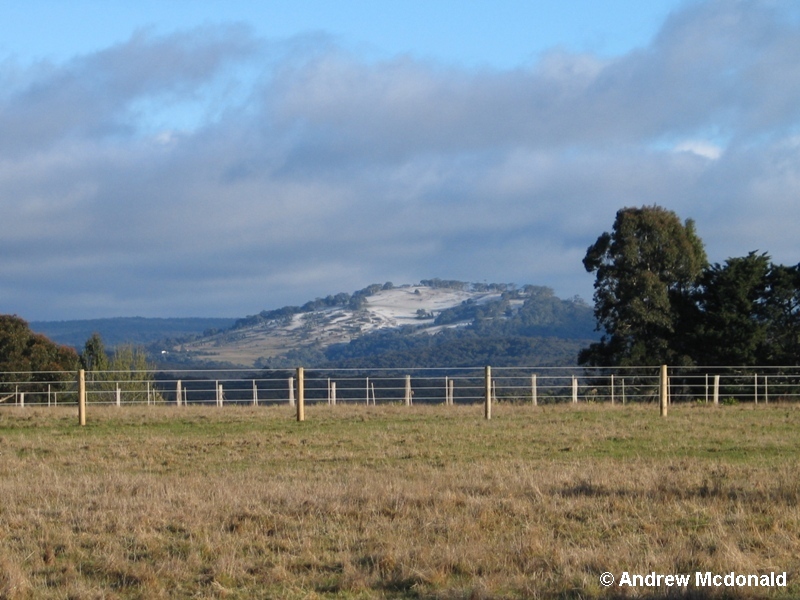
x=391, y=502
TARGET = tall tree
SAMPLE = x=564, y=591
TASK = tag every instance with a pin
x=783, y=313
x=644, y=270
x=732, y=299
x=94, y=357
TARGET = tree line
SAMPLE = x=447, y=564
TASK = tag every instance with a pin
x=657, y=299
x=33, y=358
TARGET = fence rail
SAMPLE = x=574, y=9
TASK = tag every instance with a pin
x=534, y=385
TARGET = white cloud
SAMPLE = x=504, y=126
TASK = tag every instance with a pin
x=700, y=148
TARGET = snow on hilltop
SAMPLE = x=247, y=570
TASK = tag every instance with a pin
x=402, y=306
x=278, y=332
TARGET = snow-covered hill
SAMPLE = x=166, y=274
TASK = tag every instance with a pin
x=416, y=305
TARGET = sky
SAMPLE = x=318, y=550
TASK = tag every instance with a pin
x=194, y=158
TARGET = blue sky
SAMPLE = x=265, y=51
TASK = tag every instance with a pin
x=181, y=158
x=501, y=33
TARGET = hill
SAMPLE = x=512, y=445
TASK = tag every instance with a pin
x=433, y=323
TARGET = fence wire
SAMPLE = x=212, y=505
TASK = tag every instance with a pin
x=535, y=385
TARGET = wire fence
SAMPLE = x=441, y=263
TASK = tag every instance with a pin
x=534, y=385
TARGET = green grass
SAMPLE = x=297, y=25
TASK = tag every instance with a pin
x=394, y=502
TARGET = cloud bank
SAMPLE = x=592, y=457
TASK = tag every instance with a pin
x=213, y=173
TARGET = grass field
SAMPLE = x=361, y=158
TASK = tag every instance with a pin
x=395, y=502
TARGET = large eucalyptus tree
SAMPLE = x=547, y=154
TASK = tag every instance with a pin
x=645, y=270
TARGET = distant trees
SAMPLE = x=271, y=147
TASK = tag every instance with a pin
x=32, y=357
x=128, y=364
x=658, y=301
x=94, y=357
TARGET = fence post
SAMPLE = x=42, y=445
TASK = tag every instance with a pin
x=301, y=401
x=663, y=395
x=178, y=393
x=291, y=391
x=22, y=400
x=534, y=390
x=487, y=379
x=612, y=389
x=766, y=390
x=333, y=393
x=574, y=389
x=451, y=389
x=82, y=397
x=255, y=393
x=716, y=389
x=220, y=395
x=408, y=390
x=119, y=396
x=755, y=387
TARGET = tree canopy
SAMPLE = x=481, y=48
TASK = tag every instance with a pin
x=643, y=269
x=24, y=352
x=657, y=300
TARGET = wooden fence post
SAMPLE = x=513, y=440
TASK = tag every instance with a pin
x=612, y=389
x=487, y=380
x=301, y=400
x=82, y=397
x=119, y=396
x=220, y=395
x=755, y=387
x=22, y=400
x=291, y=392
x=255, y=393
x=716, y=389
x=451, y=389
x=178, y=393
x=534, y=390
x=408, y=390
x=574, y=389
x=333, y=393
x=663, y=395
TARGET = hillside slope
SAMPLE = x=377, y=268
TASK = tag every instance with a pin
x=439, y=320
